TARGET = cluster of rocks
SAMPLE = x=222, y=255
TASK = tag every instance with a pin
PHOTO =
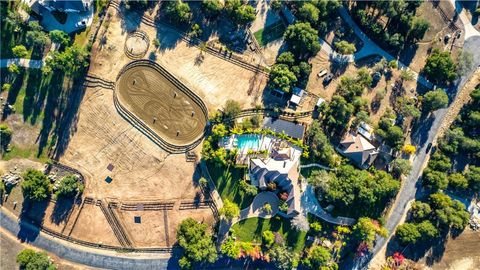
x=11, y=178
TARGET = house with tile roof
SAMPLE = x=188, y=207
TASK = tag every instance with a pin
x=358, y=149
x=282, y=168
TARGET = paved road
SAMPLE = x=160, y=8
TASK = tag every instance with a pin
x=425, y=135
x=82, y=255
x=26, y=63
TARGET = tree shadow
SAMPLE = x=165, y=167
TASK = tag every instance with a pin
x=407, y=54
x=131, y=19
x=30, y=219
x=14, y=90
x=432, y=250
x=63, y=208
x=66, y=118
x=420, y=132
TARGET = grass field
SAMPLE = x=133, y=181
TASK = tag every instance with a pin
x=250, y=230
x=270, y=33
x=227, y=180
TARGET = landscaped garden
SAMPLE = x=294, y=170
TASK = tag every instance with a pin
x=252, y=229
x=227, y=181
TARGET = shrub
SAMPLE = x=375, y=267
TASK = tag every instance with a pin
x=268, y=238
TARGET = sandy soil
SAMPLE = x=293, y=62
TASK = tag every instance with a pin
x=142, y=170
x=434, y=36
x=92, y=226
x=151, y=232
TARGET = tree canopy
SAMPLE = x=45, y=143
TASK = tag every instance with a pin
x=434, y=100
x=178, y=11
x=29, y=259
x=229, y=210
x=36, y=185
x=440, y=68
x=365, y=192
x=196, y=242
x=69, y=186
x=302, y=39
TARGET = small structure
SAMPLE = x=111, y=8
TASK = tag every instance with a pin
x=282, y=168
x=297, y=95
x=320, y=102
x=282, y=126
x=358, y=149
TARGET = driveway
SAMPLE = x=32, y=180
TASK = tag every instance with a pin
x=311, y=205
x=49, y=22
x=82, y=255
x=369, y=48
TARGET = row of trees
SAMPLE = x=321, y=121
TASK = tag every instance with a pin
x=462, y=137
x=241, y=14
x=430, y=218
x=37, y=187
x=401, y=28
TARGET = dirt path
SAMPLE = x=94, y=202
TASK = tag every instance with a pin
x=462, y=98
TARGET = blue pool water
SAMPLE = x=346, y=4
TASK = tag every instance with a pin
x=248, y=141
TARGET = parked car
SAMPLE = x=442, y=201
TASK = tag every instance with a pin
x=81, y=24
x=376, y=78
x=328, y=79
x=322, y=73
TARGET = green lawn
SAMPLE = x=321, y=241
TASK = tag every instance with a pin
x=250, y=230
x=270, y=33
x=226, y=180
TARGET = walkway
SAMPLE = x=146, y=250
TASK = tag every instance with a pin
x=369, y=48
x=312, y=206
x=316, y=165
x=87, y=256
x=21, y=62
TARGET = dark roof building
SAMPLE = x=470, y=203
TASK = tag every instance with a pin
x=281, y=126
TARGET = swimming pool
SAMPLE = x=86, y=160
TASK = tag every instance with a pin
x=248, y=142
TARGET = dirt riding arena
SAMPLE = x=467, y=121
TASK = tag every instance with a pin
x=164, y=106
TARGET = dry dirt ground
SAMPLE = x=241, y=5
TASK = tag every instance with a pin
x=11, y=247
x=434, y=37
x=316, y=87
x=213, y=79
x=142, y=171
x=461, y=253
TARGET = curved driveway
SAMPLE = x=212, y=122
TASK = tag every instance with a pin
x=87, y=256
